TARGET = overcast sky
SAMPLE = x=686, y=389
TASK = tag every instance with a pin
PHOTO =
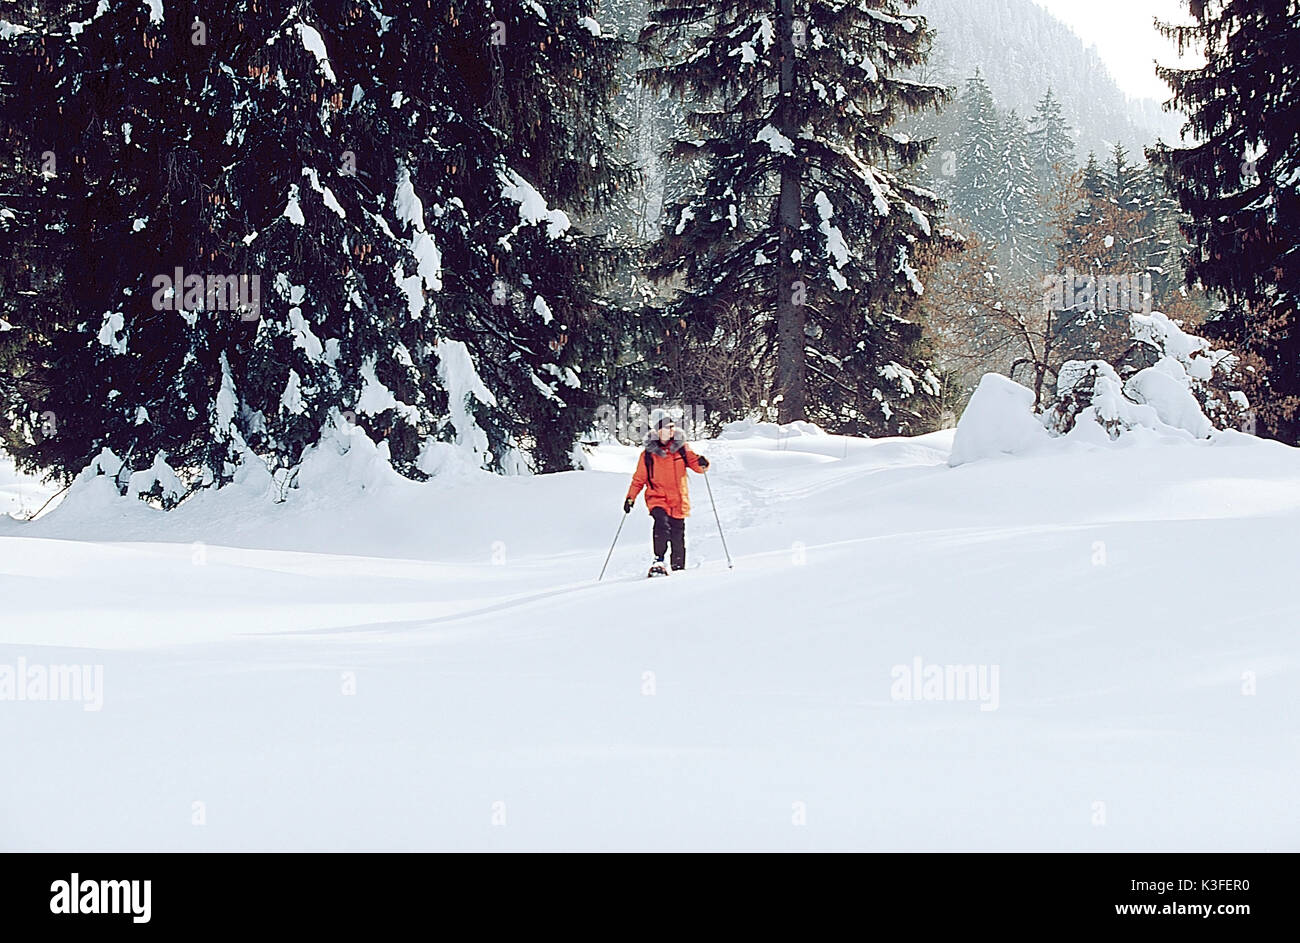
x=1125, y=37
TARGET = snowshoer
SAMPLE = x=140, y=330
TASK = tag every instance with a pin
x=661, y=471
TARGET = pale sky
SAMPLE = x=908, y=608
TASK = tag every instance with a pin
x=1126, y=38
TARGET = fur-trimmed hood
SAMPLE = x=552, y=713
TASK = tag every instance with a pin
x=675, y=444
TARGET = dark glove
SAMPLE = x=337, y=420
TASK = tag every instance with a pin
x=627, y=505
x=704, y=462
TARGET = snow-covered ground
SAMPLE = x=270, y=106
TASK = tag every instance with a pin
x=378, y=664
x=21, y=496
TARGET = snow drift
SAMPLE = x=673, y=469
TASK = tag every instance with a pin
x=1048, y=652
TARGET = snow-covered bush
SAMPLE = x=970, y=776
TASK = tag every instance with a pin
x=1090, y=391
x=1167, y=380
x=1210, y=374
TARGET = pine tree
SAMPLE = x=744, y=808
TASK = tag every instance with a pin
x=1121, y=178
x=650, y=119
x=1051, y=148
x=1014, y=223
x=1240, y=184
x=104, y=149
x=975, y=197
x=1089, y=194
x=806, y=226
x=1051, y=154
x=997, y=187
x=17, y=167
x=1093, y=180
x=1164, y=246
x=373, y=184
x=340, y=336
x=528, y=125
x=1098, y=243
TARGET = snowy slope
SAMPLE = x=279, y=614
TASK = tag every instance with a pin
x=1127, y=595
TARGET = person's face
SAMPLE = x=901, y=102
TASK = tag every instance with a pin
x=666, y=432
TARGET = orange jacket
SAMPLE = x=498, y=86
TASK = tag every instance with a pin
x=661, y=470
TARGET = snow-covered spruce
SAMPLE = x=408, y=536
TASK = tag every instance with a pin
x=360, y=212
x=799, y=239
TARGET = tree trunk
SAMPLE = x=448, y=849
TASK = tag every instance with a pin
x=791, y=375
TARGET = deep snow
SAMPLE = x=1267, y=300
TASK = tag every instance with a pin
x=1129, y=595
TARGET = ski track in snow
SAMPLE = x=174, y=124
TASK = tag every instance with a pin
x=1123, y=594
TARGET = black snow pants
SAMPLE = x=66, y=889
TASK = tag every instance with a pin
x=670, y=530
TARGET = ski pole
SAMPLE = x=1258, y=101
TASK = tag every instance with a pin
x=715, y=517
x=611, y=548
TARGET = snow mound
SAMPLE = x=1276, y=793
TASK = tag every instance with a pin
x=448, y=461
x=749, y=428
x=95, y=495
x=346, y=459
x=998, y=420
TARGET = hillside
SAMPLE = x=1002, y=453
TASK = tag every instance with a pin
x=1021, y=49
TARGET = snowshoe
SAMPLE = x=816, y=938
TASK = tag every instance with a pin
x=657, y=569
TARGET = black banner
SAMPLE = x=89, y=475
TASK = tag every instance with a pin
x=1165, y=893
